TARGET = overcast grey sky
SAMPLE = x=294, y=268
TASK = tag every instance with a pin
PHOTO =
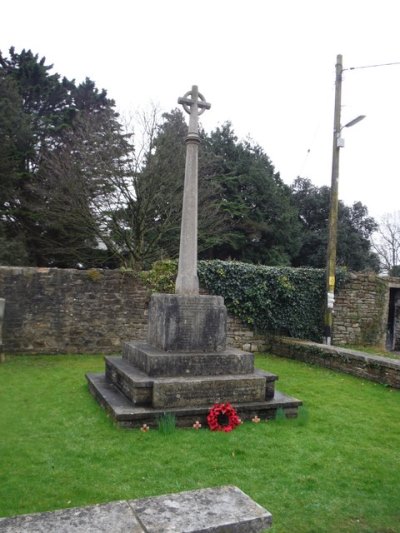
x=267, y=66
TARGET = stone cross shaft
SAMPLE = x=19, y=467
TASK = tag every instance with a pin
x=187, y=281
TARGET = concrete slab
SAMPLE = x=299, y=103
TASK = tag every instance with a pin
x=215, y=510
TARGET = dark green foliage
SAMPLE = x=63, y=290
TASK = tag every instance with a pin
x=76, y=190
x=279, y=300
x=165, y=168
x=261, y=224
x=354, y=231
x=40, y=118
x=161, y=277
x=166, y=423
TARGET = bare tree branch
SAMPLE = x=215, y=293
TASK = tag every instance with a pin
x=386, y=242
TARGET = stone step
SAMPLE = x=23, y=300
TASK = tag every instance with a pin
x=133, y=383
x=158, y=363
x=196, y=391
x=128, y=415
x=140, y=389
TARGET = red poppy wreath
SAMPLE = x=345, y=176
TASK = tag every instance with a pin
x=222, y=417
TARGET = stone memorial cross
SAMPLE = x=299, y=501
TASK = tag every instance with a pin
x=187, y=281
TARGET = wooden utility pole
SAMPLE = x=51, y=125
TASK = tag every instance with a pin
x=333, y=210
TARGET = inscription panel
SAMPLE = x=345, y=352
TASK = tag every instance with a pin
x=187, y=323
x=197, y=392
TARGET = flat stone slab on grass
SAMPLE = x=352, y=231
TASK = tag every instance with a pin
x=115, y=517
x=221, y=509
x=216, y=510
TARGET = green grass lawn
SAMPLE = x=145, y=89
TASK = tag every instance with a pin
x=335, y=469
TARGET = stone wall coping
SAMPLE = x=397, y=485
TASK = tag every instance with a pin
x=379, y=369
x=339, y=350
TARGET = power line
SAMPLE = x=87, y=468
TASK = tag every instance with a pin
x=373, y=66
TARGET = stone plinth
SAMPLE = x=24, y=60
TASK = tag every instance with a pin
x=184, y=369
x=128, y=415
x=156, y=363
x=180, y=323
x=206, y=390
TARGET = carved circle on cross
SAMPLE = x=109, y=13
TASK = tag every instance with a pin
x=187, y=107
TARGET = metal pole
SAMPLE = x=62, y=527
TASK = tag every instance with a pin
x=333, y=210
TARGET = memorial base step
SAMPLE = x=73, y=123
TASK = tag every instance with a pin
x=191, y=391
x=158, y=363
x=128, y=415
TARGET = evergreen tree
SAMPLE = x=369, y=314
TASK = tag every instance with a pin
x=262, y=224
x=38, y=113
x=354, y=230
x=14, y=136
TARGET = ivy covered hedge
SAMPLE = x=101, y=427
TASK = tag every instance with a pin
x=279, y=300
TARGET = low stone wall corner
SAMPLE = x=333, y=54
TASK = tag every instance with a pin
x=379, y=369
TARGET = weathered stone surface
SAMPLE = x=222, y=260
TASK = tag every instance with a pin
x=155, y=362
x=116, y=517
x=130, y=416
x=51, y=310
x=179, y=323
x=216, y=510
x=187, y=391
x=187, y=281
x=361, y=310
x=197, y=391
x=133, y=383
x=374, y=368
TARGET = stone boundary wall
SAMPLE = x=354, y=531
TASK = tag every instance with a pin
x=242, y=337
x=374, y=368
x=70, y=311
x=50, y=310
x=361, y=310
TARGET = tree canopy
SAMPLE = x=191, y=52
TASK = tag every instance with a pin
x=39, y=113
x=261, y=221
x=355, y=228
x=77, y=187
